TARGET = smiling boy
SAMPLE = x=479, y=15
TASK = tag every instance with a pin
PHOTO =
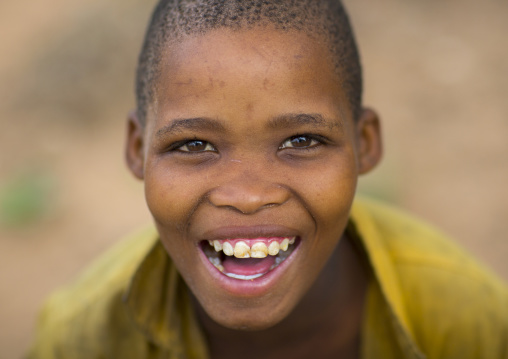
x=250, y=135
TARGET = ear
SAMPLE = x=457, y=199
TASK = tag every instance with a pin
x=370, y=148
x=135, y=145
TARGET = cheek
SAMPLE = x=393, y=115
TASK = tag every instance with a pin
x=331, y=193
x=170, y=195
x=171, y=198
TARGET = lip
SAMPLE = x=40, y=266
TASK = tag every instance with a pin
x=249, y=232
x=258, y=286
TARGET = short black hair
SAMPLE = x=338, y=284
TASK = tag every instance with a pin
x=174, y=19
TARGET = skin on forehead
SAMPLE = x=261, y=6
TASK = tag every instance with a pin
x=246, y=93
x=263, y=61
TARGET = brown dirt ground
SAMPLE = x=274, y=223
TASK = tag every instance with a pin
x=436, y=71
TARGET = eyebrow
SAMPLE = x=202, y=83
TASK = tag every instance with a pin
x=196, y=123
x=300, y=119
x=288, y=120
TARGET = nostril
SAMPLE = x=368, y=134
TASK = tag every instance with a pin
x=233, y=208
x=268, y=205
x=272, y=204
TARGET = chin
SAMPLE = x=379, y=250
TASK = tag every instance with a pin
x=245, y=314
x=250, y=323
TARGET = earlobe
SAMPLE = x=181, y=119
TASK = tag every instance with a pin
x=370, y=148
x=134, y=145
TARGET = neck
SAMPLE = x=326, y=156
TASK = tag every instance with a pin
x=325, y=324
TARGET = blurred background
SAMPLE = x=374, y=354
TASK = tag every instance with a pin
x=437, y=72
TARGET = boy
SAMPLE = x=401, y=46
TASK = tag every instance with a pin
x=249, y=135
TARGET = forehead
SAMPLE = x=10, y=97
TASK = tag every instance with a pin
x=261, y=69
x=253, y=45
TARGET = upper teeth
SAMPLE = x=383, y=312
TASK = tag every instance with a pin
x=242, y=250
x=273, y=248
x=258, y=250
x=227, y=248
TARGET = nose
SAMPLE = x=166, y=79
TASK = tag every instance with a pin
x=248, y=193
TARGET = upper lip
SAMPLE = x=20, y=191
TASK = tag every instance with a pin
x=249, y=232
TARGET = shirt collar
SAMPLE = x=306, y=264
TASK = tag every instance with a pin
x=385, y=273
x=159, y=304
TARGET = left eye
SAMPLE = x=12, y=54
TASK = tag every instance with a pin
x=196, y=146
x=300, y=141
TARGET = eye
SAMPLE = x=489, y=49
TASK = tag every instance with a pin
x=300, y=141
x=196, y=146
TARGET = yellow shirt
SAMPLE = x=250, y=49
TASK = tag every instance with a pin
x=427, y=299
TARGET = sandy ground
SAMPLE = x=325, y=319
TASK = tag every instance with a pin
x=436, y=71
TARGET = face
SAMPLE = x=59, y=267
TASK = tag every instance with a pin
x=250, y=159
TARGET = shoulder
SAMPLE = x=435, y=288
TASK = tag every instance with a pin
x=411, y=241
x=457, y=307
x=83, y=315
x=108, y=275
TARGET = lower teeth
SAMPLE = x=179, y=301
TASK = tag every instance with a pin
x=244, y=277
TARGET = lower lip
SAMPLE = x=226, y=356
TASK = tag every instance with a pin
x=252, y=287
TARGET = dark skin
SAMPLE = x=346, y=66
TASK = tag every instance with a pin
x=218, y=153
x=325, y=324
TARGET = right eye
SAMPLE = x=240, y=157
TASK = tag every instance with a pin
x=196, y=146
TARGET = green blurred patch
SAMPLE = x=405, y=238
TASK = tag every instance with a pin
x=382, y=191
x=25, y=199
x=385, y=183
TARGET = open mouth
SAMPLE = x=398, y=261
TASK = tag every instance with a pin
x=248, y=259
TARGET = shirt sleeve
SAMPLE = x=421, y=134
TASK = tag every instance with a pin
x=456, y=314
